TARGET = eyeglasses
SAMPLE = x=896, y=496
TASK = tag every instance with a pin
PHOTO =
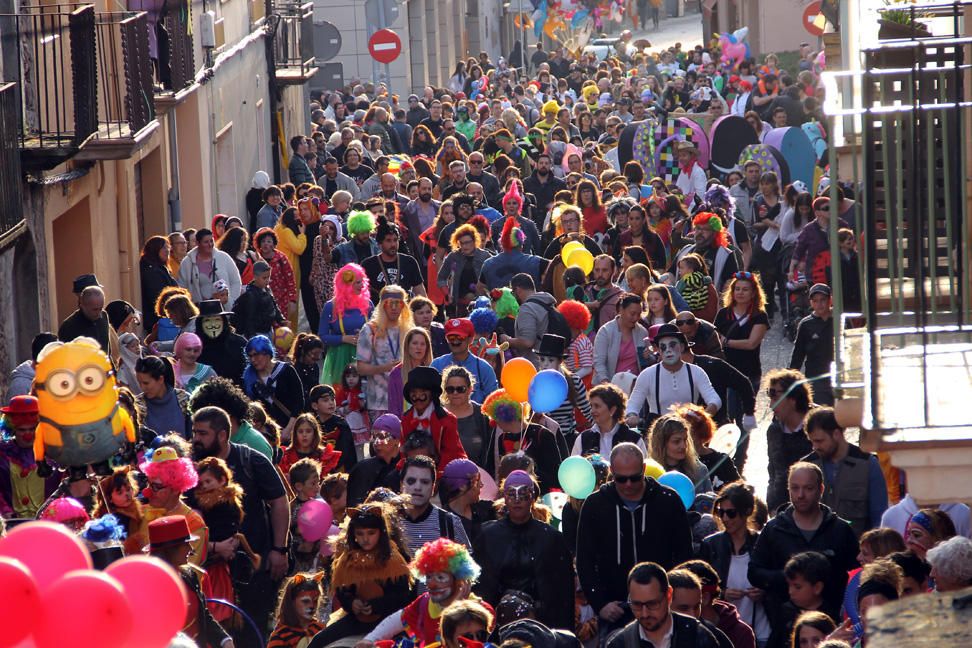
x=823, y=208
x=625, y=479
x=726, y=513
x=460, y=389
x=65, y=383
x=650, y=605
x=743, y=274
x=475, y=162
x=686, y=322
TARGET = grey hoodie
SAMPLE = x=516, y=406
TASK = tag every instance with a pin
x=21, y=379
x=531, y=321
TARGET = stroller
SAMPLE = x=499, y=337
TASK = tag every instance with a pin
x=798, y=302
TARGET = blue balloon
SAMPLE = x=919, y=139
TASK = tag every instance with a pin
x=547, y=391
x=681, y=485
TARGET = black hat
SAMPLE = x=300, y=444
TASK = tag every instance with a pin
x=820, y=289
x=423, y=378
x=552, y=346
x=85, y=281
x=669, y=330
x=211, y=308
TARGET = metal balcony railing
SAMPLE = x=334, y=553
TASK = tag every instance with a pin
x=293, y=41
x=11, y=203
x=179, y=71
x=56, y=71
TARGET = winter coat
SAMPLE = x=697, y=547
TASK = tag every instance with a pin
x=782, y=450
x=154, y=277
x=717, y=550
x=225, y=354
x=611, y=539
x=224, y=268
x=686, y=633
x=255, y=312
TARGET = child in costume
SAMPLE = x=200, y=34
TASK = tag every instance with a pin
x=580, y=352
x=370, y=578
x=695, y=286
x=220, y=501
x=507, y=308
x=306, y=442
x=342, y=318
x=297, y=611
x=485, y=346
x=449, y=572
x=513, y=436
x=116, y=495
x=351, y=405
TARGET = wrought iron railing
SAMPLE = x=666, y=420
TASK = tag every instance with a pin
x=56, y=71
x=293, y=40
x=125, y=86
x=181, y=60
x=11, y=179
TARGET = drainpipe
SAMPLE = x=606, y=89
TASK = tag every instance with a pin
x=175, y=206
x=272, y=22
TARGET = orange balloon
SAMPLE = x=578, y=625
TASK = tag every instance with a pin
x=516, y=377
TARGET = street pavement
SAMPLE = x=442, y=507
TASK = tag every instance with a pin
x=686, y=30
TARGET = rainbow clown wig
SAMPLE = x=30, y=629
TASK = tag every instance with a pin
x=502, y=408
x=577, y=316
x=345, y=296
x=714, y=223
x=360, y=222
x=444, y=555
x=512, y=236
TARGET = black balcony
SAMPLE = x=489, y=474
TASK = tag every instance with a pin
x=292, y=29
x=11, y=180
x=51, y=56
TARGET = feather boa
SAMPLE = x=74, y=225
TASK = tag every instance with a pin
x=230, y=494
x=356, y=566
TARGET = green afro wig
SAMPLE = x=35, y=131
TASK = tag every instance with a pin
x=504, y=303
x=360, y=222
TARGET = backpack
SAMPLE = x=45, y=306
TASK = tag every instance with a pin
x=556, y=324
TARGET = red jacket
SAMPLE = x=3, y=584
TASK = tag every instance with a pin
x=444, y=431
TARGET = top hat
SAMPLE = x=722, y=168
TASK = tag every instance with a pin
x=85, y=281
x=211, y=308
x=552, y=346
x=423, y=378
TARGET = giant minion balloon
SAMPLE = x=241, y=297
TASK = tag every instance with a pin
x=81, y=421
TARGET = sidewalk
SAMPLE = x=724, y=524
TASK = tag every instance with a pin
x=686, y=30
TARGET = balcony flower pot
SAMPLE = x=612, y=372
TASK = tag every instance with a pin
x=895, y=30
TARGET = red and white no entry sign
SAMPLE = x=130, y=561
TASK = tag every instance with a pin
x=384, y=46
x=809, y=14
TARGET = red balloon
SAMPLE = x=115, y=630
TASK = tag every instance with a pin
x=22, y=604
x=86, y=608
x=150, y=584
x=48, y=550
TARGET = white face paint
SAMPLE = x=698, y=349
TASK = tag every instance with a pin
x=548, y=362
x=671, y=350
x=212, y=326
x=306, y=605
x=441, y=586
x=417, y=484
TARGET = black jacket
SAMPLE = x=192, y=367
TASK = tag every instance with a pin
x=77, y=325
x=154, y=276
x=542, y=445
x=717, y=550
x=687, y=633
x=814, y=346
x=336, y=430
x=372, y=473
x=254, y=201
x=225, y=354
x=612, y=539
x=724, y=377
x=782, y=450
x=591, y=440
x=543, y=192
x=532, y=558
x=255, y=312
x=781, y=539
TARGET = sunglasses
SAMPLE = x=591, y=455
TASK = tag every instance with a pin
x=726, y=513
x=686, y=322
x=743, y=274
x=461, y=389
x=626, y=479
x=823, y=208
x=455, y=340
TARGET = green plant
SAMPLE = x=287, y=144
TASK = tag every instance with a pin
x=901, y=16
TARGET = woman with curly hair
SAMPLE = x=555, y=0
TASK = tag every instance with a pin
x=459, y=276
x=513, y=434
x=342, y=319
x=381, y=343
x=449, y=572
x=172, y=319
x=671, y=446
x=283, y=284
x=701, y=426
x=424, y=144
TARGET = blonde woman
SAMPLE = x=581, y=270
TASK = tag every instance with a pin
x=381, y=342
x=671, y=445
x=417, y=352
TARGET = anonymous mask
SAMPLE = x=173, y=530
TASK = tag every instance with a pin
x=212, y=326
x=671, y=351
x=441, y=586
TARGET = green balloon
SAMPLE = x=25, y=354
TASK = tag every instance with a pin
x=577, y=477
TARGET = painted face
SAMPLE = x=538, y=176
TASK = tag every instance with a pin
x=671, y=351
x=306, y=606
x=548, y=362
x=441, y=586
x=417, y=484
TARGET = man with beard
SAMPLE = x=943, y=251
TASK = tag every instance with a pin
x=604, y=294
x=419, y=214
x=423, y=521
x=543, y=184
x=389, y=190
x=513, y=203
x=650, y=598
x=681, y=383
x=712, y=244
x=457, y=180
x=222, y=347
x=389, y=267
x=462, y=206
x=224, y=394
x=266, y=520
x=477, y=173
x=475, y=191
x=333, y=180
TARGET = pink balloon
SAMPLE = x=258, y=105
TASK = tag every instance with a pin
x=150, y=584
x=489, y=491
x=327, y=548
x=21, y=609
x=314, y=519
x=49, y=551
x=86, y=608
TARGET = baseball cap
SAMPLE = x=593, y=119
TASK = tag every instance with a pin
x=820, y=289
x=461, y=326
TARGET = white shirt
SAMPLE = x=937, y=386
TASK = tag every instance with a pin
x=898, y=515
x=692, y=184
x=606, y=442
x=751, y=612
x=673, y=389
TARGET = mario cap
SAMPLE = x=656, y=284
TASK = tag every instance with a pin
x=460, y=326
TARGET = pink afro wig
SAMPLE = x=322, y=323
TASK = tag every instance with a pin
x=177, y=474
x=500, y=407
x=345, y=298
x=444, y=555
x=576, y=314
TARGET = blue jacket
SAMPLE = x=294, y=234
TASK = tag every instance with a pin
x=484, y=378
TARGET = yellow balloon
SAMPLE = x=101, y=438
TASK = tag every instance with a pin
x=581, y=258
x=653, y=469
x=566, y=251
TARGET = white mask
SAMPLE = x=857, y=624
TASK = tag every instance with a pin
x=671, y=351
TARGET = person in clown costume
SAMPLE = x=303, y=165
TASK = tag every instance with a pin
x=22, y=490
x=712, y=244
x=169, y=476
x=449, y=572
x=514, y=435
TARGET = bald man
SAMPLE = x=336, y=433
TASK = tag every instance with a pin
x=90, y=320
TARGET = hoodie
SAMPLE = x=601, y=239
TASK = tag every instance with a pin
x=532, y=321
x=21, y=378
x=740, y=634
x=898, y=515
x=611, y=539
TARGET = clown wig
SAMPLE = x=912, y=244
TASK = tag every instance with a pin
x=502, y=408
x=504, y=303
x=178, y=474
x=360, y=222
x=714, y=223
x=444, y=555
x=512, y=235
x=185, y=340
x=467, y=229
x=345, y=297
x=513, y=195
x=718, y=196
x=484, y=320
x=577, y=316
x=262, y=233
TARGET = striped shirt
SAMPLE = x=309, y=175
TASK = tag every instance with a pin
x=580, y=354
x=564, y=415
x=430, y=526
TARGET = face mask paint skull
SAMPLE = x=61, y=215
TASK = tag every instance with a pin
x=671, y=351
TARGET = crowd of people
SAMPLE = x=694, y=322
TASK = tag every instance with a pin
x=343, y=343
